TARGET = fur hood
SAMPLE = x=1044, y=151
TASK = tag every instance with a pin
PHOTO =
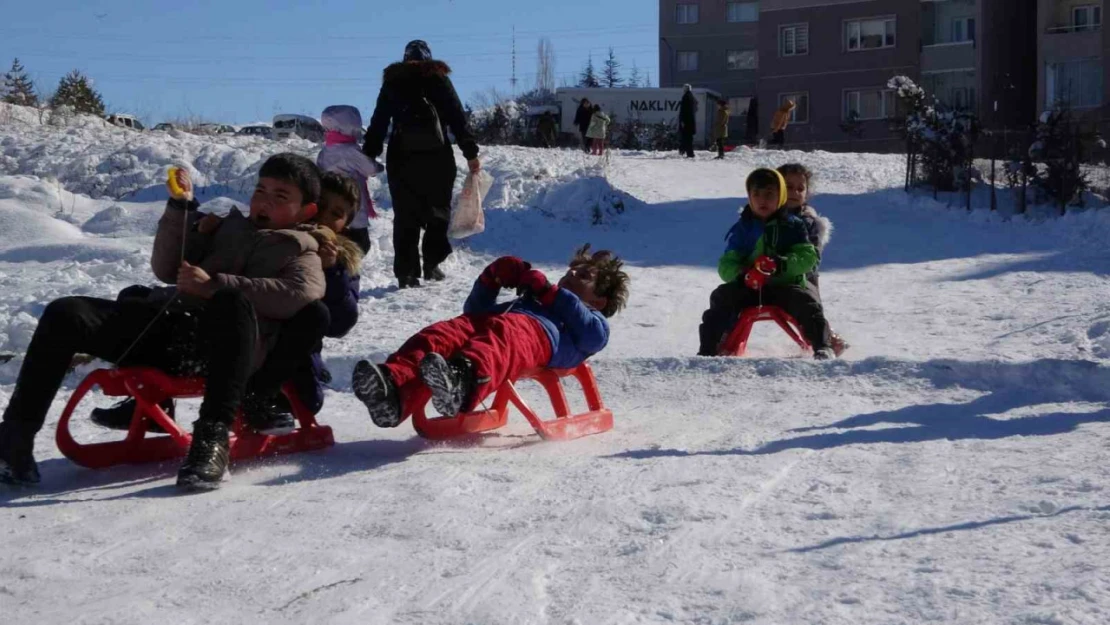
x=350, y=254
x=407, y=70
x=824, y=226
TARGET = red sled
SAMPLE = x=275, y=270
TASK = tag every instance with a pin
x=150, y=387
x=565, y=426
x=736, y=344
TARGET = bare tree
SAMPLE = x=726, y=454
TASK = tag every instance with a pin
x=545, y=66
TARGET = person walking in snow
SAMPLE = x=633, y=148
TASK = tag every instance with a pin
x=342, y=155
x=419, y=103
x=687, y=122
x=598, y=131
x=779, y=121
x=547, y=129
x=720, y=127
x=582, y=118
x=465, y=359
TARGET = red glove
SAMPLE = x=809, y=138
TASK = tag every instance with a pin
x=536, y=283
x=507, y=271
x=755, y=279
x=766, y=265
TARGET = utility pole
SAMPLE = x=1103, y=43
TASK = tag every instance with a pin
x=512, y=81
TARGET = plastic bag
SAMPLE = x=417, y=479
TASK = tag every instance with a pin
x=468, y=219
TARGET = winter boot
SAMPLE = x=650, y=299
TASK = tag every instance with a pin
x=267, y=413
x=409, y=282
x=434, y=274
x=376, y=389
x=825, y=353
x=451, y=382
x=17, y=460
x=205, y=466
x=119, y=417
x=838, y=344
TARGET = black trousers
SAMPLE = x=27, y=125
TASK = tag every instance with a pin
x=778, y=137
x=217, y=341
x=421, y=187
x=731, y=298
x=686, y=144
x=299, y=337
x=720, y=148
x=587, y=143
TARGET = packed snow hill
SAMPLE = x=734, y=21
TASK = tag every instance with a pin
x=949, y=468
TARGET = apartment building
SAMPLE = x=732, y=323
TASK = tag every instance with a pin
x=833, y=58
x=1072, y=58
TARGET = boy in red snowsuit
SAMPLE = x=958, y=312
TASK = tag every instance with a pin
x=465, y=359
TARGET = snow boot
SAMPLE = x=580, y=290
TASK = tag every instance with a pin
x=451, y=382
x=825, y=353
x=434, y=274
x=267, y=413
x=119, y=417
x=409, y=282
x=17, y=460
x=376, y=389
x=838, y=344
x=206, y=465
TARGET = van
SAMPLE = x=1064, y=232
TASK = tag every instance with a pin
x=303, y=126
x=125, y=121
x=256, y=131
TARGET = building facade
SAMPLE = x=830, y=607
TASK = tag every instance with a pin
x=1071, y=58
x=833, y=58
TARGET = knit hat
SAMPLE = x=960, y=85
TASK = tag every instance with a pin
x=418, y=50
x=763, y=177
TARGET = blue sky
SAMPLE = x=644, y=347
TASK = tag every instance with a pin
x=236, y=61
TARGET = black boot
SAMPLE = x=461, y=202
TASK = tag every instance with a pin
x=376, y=389
x=409, y=282
x=119, y=417
x=434, y=273
x=206, y=464
x=451, y=382
x=267, y=412
x=17, y=460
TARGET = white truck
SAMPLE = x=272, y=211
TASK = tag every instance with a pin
x=649, y=105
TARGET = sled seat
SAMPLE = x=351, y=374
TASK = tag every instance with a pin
x=150, y=387
x=736, y=343
x=564, y=426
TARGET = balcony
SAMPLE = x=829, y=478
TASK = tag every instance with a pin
x=1074, y=17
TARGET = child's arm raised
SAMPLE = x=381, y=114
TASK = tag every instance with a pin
x=176, y=239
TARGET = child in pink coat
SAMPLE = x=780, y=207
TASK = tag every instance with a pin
x=342, y=155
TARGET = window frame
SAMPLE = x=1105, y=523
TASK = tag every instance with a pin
x=858, y=22
x=678, y=60
x=1051, y=78
x=728, y=60
x=887, y=96
x=738, y=3
x=682, y=11
x=1094, y=15
x=793, y=95
x=795, y=28
x=734, y=111
x=968, y=29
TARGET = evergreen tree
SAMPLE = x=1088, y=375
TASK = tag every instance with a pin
x=588, y=77
x=634, y=76
x=17, y=87
x=76, y=91
x=611, y=78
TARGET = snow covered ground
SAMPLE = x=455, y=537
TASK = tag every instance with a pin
x=952, y=468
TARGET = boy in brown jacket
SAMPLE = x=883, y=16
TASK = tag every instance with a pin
x=236, y=280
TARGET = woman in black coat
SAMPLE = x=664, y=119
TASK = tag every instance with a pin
x=418, y=98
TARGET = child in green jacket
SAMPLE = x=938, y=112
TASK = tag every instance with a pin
x=766, y=259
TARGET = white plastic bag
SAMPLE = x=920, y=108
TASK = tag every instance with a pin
x=468, y=219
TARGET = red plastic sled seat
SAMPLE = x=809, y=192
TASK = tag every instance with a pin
x=736, y=344
x=564, y=426
x=149, y=387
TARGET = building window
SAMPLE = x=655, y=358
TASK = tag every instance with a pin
x=1074, y=83
x=794, y=40
x=963, y=29
x=800, y=114
x=687, y=61
x=743, y=59
x=962, y=98
x=870, y=34
x=686, y=14
x=738, y=107
x=1087, y=17
x=743, y=11
x=869, y=104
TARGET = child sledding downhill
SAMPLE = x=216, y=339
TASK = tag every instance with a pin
x=235, y=287
x=766, y=260
x=465, y=359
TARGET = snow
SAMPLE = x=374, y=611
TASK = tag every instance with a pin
x=950, y=469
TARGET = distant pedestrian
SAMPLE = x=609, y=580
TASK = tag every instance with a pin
x=687, y=122
x=598, y=131
x=720, y=127
x=582, y=119
x=780, y=121
x=547, y=130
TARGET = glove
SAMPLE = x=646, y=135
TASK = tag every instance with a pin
x=536, y=283
x=766, y=265
x=755, y=279
x=507, y=271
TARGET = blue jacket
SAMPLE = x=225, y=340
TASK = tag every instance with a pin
x=341, y=299
x=575, y=330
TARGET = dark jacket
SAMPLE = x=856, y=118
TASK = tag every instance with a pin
x=341, y=300
x=575, y=330
x=688, y=114
x=783, y=237
x=819, y=231
x=407, y=81
x=582, y=117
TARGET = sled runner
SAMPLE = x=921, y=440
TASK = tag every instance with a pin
x=565, y=426
x=736, y=343
x=149, y=387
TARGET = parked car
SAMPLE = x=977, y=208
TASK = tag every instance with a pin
x=215, y=129
x=256, y=131
x=165, y=127
x=125, y=121
x=303, y=126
